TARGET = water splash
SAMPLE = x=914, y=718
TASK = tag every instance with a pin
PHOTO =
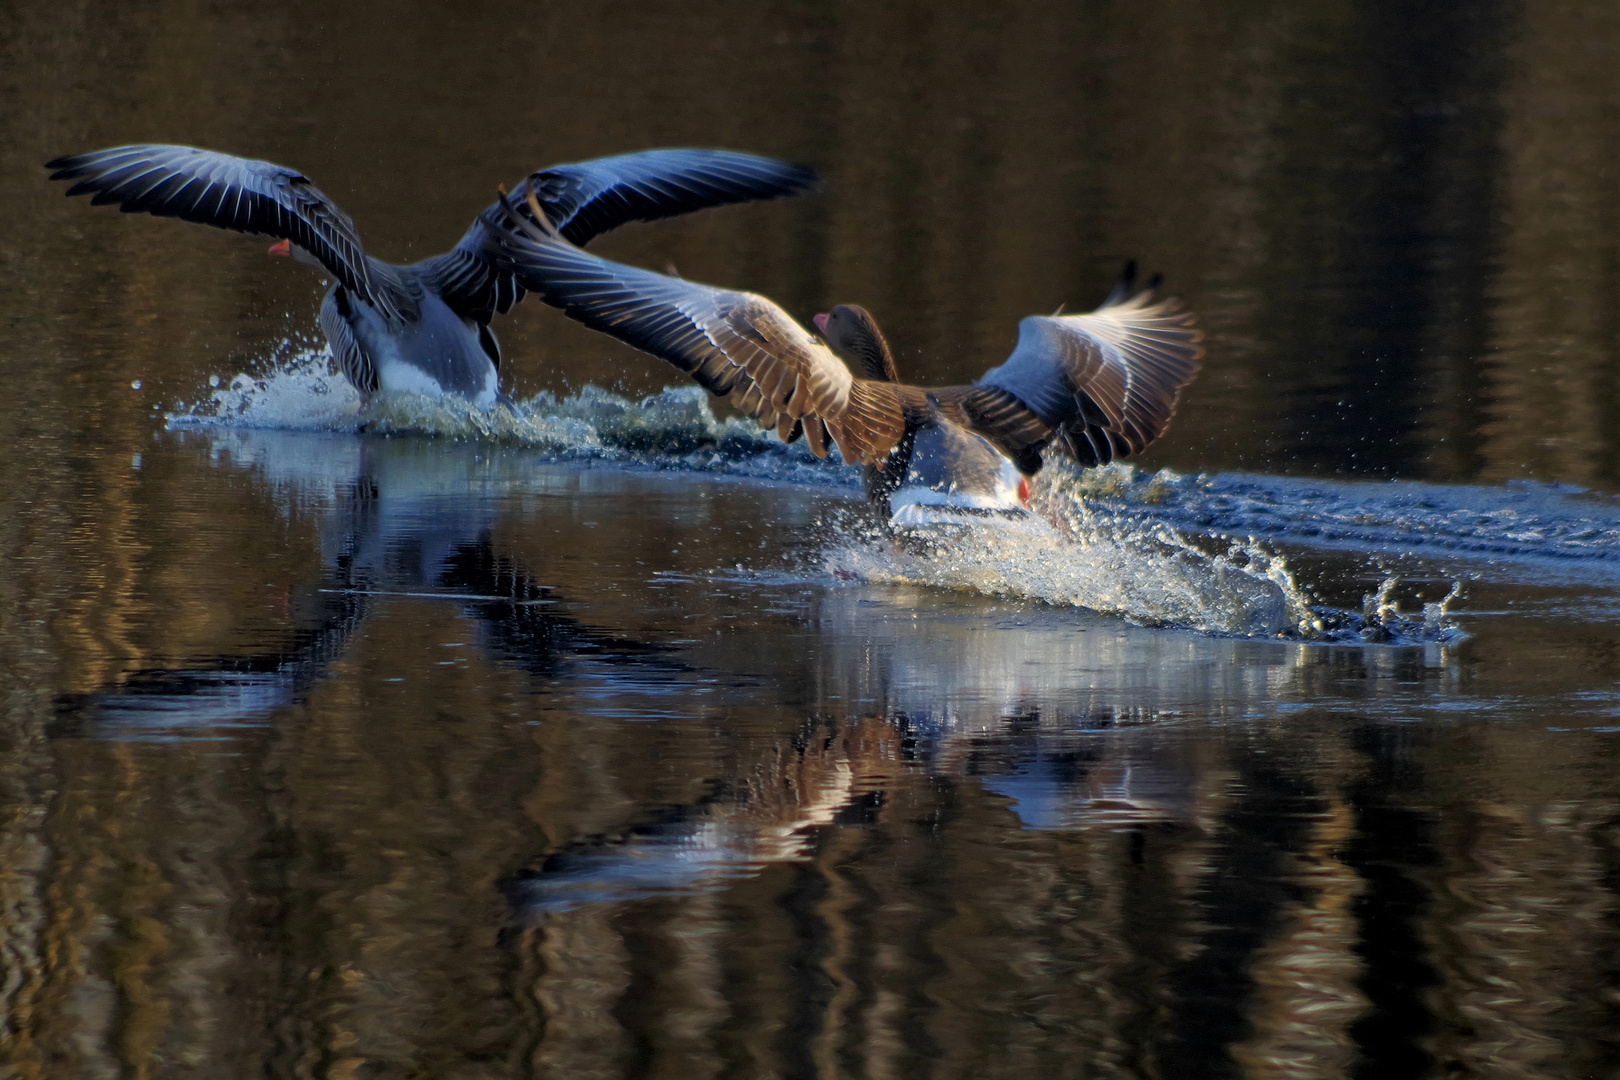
x=1112, y=561
x=1382, y=620
x=674, y=429
x=1154, y=577
x=1114, y=540
x=299, y=392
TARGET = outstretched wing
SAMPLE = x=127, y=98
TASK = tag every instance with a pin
x=592, y=197
x=1105, y=384
x=588, y=199
x=234, y=193
x=738, y=345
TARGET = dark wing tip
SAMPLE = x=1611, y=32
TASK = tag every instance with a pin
x=70, y=166
x=1126, y=286
x=799, y=179
x=786, y=177
x=73, y=166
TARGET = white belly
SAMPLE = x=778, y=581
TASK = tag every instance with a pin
x=438, y=355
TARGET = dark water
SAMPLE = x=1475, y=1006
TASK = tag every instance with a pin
x=614, y=743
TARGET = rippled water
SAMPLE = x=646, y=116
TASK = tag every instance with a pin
x=603, y=736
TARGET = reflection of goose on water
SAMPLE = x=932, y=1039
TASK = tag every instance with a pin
x=424, y=327
x=1100, y=385
x=760, y=816
x=769, y=810
x=387, y=531
x=1052, y=714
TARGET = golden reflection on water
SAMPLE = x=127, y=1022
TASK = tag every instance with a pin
x=1552, y=347
x=1306, y=995
x=342, y=876
x=831, y=830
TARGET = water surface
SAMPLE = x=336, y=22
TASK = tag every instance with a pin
x=605, y=739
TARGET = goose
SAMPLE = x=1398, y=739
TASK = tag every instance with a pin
x=941, y=470
x=1099, y=386
x=423, y=327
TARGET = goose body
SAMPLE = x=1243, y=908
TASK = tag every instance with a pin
x=952, y=473
x=941, y=470
x=422, y=327
x=1098, y=386
x=439, y=352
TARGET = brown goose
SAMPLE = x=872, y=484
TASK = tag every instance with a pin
x=422, y=327
x=1101, y=385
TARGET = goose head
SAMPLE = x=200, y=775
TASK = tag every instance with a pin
x=851, y=332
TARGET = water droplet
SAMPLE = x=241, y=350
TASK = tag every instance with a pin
x=135, y=384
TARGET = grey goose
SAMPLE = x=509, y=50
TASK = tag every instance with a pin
x=422, y=327
x=1100, y=386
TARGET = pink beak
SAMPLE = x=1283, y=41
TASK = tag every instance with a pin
x=821, y=322
x=281, y=247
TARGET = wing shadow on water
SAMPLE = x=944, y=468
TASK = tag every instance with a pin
x=386, y=533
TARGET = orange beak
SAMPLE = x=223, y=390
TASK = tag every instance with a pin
x=1023, y=490
x=282, y=248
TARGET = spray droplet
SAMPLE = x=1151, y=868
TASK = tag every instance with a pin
x=213, y=380
x=135, y=462
x=135, y=384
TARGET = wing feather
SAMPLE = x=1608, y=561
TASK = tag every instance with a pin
x=739, y=345
x=1109, y=380
x=592, y=197
x=264, y=198
x=589, y=198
